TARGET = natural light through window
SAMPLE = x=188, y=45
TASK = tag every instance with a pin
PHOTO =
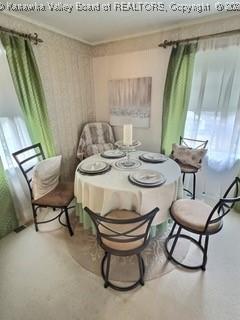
x=13, y=131
x=214, y=105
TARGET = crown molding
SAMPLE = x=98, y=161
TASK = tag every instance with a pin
x=189, y=23
x=174, y=26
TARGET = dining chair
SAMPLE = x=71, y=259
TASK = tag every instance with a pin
x=58, y=198
x=189, y=169
x=200, y=219
x=122, y=233
x=96, y=137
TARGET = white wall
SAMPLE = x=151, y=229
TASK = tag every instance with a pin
x=140, y=56
x=146, y=63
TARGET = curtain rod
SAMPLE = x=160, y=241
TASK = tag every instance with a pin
x=167, y=43
x=32, y=37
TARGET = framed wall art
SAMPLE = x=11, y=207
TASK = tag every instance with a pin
x=130, y=101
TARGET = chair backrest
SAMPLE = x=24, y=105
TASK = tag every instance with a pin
x=94, y=133
x=26, y=159
x=225, y=204
x=132, y=227
x=192, y=143
x=98, y=132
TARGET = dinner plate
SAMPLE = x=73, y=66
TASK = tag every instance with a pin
x=148, y=177
x=94, y=173
x=145, y=185
x=94, y=167
x=113, y=154
x=125, y=165
x=153, y=157
x=135, y=143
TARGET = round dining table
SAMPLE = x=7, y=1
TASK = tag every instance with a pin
x=112, y=190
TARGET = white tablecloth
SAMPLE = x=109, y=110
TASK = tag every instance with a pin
x=112, y=190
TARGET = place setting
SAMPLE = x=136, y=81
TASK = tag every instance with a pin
x=113, y=154
x=147, y=178
x=127, y=145
x=94, y=168
x=152, y=157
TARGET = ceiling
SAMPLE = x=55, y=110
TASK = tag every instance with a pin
x=95, y=27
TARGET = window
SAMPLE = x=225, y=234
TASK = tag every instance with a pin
x=13, y=131
x=214, y=105
x=13, y=136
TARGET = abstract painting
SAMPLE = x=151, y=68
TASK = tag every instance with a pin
x=130, y=101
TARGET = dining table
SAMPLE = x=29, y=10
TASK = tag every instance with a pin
x=113, y=190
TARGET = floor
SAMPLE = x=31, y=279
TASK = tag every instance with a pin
x=40, y=280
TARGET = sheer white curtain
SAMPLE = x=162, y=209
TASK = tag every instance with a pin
x=214, y=111
x=13, y=136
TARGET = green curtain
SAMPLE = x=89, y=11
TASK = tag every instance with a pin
x=28, y=85
x=176, y=94
x=8, y=219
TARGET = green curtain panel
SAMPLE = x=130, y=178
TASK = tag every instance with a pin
x=8, y=219
x=28, y=85
x=176, y=94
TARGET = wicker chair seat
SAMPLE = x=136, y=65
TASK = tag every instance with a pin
x=185, y=168
x=61, y=196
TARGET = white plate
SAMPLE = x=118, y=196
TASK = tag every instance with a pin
x=113, y=153
x=154, y=156
x=96, y=166
x=148, y=185
x=148, y=177
x=135, y=143
x=122, y=164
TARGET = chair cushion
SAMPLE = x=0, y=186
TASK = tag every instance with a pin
x=92, y=149
x=45, y=176
x=61, y=196
x=188, y=156
x=122, y=246
x=187, y=168
x=193, y=214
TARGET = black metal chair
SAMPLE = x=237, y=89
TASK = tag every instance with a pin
x=59, y=198
x=201, y=219
x=122, y=233
x=188, y=169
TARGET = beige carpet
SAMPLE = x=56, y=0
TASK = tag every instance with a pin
x=84, y=249
x=39, y=280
